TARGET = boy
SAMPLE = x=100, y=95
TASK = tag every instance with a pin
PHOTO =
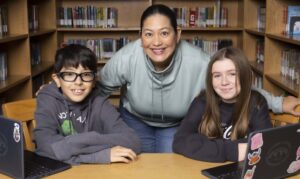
x=74, y=123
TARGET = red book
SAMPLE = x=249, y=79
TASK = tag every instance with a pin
x=193, y=17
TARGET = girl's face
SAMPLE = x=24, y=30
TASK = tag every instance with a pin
x=225, y=80
x=159, y=40
x=75, y=90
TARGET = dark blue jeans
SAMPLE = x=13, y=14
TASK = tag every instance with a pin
x=153, y=139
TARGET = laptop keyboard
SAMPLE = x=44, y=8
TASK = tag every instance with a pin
x=38, y=166
x=33, y=169
x=231, y=174
x=228, y=171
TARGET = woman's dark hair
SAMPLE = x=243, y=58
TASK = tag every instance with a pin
x=74, y=55
x=159, y=9
x=210, y=125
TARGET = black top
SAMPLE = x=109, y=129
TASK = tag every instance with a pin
x=190, y=143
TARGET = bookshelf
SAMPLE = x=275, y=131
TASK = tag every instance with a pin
x=129, y=19
x=20, y=82
x=275, y=44
x=242, y=28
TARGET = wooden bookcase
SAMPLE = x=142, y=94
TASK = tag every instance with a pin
x=23, y=79
x=129, y=22
x=274, y=43
x=21, y=75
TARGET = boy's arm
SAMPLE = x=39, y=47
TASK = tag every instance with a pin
x=116, y=129
x=102, y=157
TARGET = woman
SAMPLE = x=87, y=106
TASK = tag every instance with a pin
x=160, y=75
x=222, y=116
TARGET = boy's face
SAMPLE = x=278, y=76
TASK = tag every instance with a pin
x=77, y=90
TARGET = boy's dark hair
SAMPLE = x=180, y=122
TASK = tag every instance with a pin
x=162, y=10
x=74, y=55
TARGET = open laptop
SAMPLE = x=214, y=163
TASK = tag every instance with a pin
x=271, y=153
x=19, y=163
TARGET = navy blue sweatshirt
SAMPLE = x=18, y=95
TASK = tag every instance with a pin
x=79, y=132
x=190, y=143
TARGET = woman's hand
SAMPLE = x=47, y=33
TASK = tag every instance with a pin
x=122, y=154
x=289, y=105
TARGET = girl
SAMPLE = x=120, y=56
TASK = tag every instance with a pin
x=221, y=117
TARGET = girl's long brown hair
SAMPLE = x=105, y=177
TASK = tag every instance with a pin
x=210, y=125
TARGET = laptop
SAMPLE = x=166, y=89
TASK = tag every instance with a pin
x=19, y=163
x=271, y=153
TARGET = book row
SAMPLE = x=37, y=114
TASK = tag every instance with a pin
x=210, y=46
x=3, y=21
x=89, y=16
x=33, y=17
x=214, y=16
x=3, y=66
x=103, y=48
x=35, y=53
x=291, y=20
x=290, y=65
x=260, y=45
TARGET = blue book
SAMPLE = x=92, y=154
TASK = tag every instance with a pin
x=293, y=20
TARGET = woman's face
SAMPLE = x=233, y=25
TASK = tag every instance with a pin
x=159, y=40
x=225, y=80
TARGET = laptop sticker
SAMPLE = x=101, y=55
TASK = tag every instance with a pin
x=249, y=173
x=298, y=153
x=16, y=134
x=257, y=141
x=254, y=157
x=295, y=165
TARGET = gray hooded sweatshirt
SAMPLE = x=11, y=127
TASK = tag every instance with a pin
x=161, y=99
x=79, y=132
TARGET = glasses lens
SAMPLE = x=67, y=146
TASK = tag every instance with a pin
x=88, y=76
x=68, y=76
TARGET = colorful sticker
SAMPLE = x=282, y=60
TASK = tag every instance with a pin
x=257, y=141
x=16, y=134
x=298, y=153
x=254, y=158
x=249, y=173
x=294, y=167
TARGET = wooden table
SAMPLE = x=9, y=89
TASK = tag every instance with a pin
x=148, y=166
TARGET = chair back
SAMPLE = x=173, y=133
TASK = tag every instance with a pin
x=284, y=119
x=23, y=110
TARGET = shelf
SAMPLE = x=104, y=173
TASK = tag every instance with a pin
x=255, y=31
x=122, y=29
x=102, y=62
x=284, y=83
x=288, y=39
x=212, y=29
x=41, y=32
x=40, y=68
x=10, y=38
x=12, y=81
x=257, y=67
x=115, y=93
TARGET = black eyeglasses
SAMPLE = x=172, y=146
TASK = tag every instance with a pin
x=72, y=76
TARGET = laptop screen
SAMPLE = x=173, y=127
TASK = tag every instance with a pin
x=11, y=148
x=273, y=153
